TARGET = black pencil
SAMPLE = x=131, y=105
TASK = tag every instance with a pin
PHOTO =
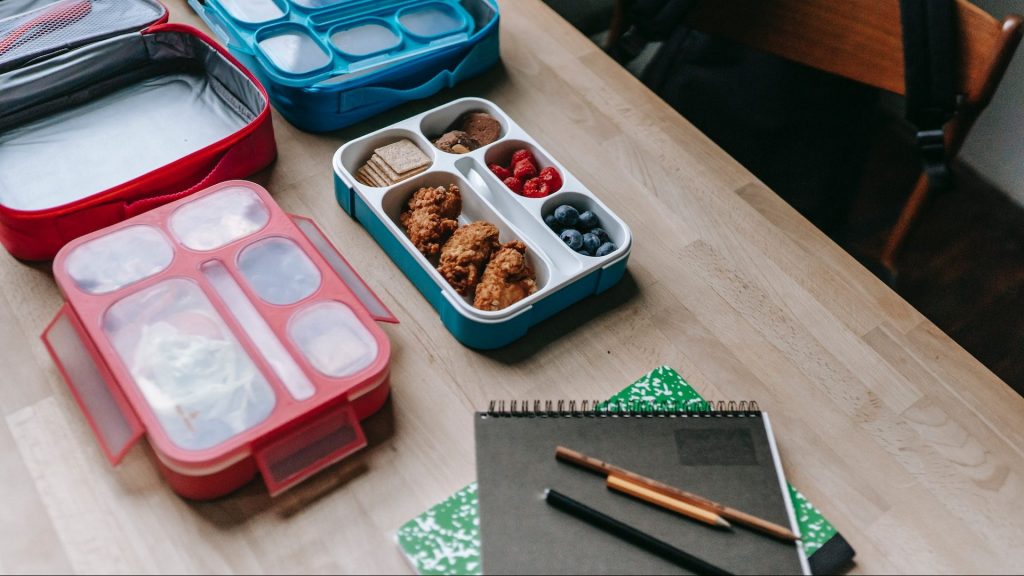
x=630, y=534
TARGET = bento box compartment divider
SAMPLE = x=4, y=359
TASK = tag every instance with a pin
x=258, y=331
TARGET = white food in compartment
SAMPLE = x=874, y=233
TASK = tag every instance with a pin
x=196, y=377
x=333, y=339
x=294, y=51
x=279, y=271
x=219, y=219
x=118, y=259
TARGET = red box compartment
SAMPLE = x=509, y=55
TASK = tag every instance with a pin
x=235, y=337
x=107, y=111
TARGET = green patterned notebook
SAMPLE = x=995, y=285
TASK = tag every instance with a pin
x=445, y=540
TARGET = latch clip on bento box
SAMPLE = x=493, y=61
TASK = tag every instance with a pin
x=562, y=275
x=234, y=336
x=107, y=111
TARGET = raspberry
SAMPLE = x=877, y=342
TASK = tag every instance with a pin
x=523, y=154
x=552, y=178
x=500, y=171
x=524, y=169
x=514, y=184
x=536, y=188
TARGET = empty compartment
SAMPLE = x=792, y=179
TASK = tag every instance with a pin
x=292, y=50
x=502, y=152
x=452, y=117
x=218, y=219
x=118, y=259
x=64, y=137
x=333, y=339
x=365, y=38
x=615, y=230
x=279, y=271
x=432, y=20
x=474, y=209
x=359, y=153
x=255, y=11
x=200, y=383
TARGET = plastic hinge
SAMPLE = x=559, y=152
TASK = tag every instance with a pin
x=111, y=418
x=345, y=271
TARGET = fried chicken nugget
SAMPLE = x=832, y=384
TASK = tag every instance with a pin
x=430, y=218
x=428, y=231
x=464, y=256
x=445, y=202
x=507, y=279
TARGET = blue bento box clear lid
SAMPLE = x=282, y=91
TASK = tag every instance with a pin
x=314, y=56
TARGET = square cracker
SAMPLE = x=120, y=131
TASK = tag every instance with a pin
x=369, y=177
x=377, y=174
x=403, y=156
x=386, y=171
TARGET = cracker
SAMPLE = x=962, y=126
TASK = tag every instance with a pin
x=377, y=176
x=390, y=174
x=403, y=156
x=369, y=178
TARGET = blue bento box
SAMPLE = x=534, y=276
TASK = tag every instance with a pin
x=563, y=276
x=330, y=63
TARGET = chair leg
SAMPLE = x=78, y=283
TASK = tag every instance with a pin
x=899, y=232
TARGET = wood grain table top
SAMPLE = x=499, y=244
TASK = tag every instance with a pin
x=906, y=443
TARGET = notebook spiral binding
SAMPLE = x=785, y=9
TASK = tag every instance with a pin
x=632, y=408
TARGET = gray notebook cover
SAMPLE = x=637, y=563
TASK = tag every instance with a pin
x=728, y=458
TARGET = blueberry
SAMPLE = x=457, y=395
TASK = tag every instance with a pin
x=591, y=242
x=572, y=238
x=566, y=215
x=552, y=223
x=588, y=220
x=601, y=234
x=584, y=252
x=605, y=249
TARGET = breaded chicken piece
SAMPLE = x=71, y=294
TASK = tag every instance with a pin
x=428, y=231
x=430, y=218
x=446, y=203
x=507, y=279
x=465, y=255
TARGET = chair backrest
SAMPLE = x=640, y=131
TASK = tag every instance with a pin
x=861, y=39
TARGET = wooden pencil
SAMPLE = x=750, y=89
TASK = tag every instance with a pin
x=639, y=491
x=738, y=516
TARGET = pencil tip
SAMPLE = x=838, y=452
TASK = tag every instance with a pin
x=723, y=523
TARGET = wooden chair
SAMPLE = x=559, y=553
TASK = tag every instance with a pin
x=863, y=40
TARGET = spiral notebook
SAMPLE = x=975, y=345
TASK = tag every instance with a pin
x=724, y=452
x=445, y=539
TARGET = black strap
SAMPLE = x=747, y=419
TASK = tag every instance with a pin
x=929, y=58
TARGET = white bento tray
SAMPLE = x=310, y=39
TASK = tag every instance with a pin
x=563, y=275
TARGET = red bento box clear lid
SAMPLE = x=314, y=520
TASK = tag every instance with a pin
x=216, y=323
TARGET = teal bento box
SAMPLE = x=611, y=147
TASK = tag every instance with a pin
x=330, y=63
x=563, y=275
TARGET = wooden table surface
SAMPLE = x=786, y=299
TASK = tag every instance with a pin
x=906, y=443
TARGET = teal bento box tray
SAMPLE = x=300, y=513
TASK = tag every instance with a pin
x=563, y=276
x=330, y=63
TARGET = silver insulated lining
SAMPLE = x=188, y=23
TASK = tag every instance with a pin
x=113, y=111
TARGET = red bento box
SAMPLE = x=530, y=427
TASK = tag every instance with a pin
x=107, y=111
x=235, y=337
